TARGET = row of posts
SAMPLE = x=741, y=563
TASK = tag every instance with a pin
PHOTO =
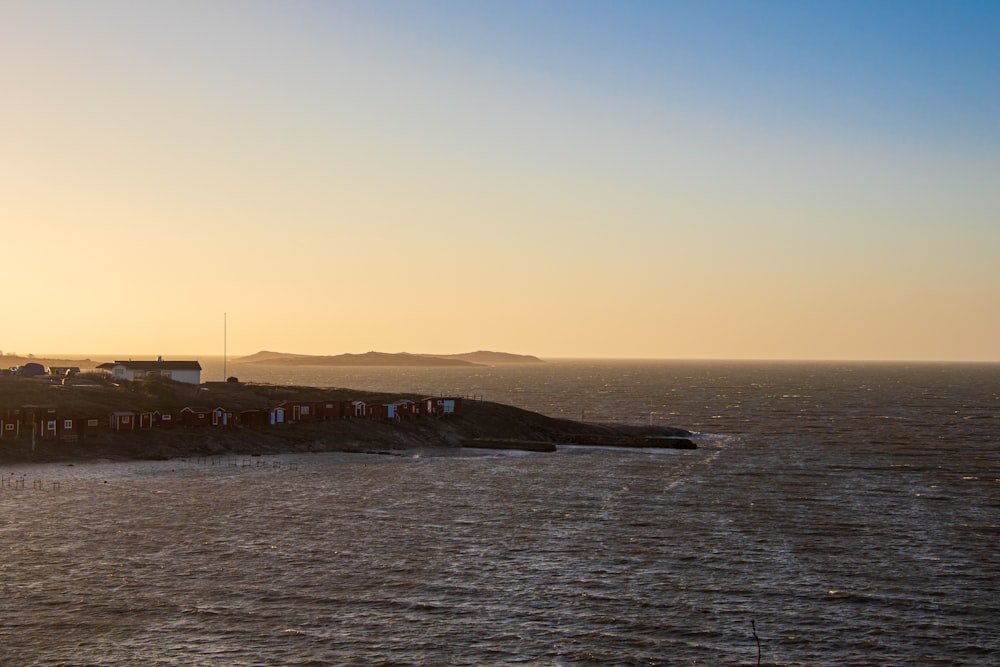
x=255, y=462
x=11, y=482
x=236, y=462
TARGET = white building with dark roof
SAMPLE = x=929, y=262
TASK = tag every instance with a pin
x=178, y=371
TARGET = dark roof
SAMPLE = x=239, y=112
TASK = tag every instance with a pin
x=160, y=365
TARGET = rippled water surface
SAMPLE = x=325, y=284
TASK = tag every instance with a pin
x=850, y=511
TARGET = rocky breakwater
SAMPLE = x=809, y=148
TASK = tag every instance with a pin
x=650, y=440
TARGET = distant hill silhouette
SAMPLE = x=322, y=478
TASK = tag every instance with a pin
x=480, y=358
x=491, y=358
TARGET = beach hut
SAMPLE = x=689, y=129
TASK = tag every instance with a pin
x=10, y=425
x=42, y=419
x=276, y=416
x=163, y=419
x=380, y=411
x=89, y=427
x=406, y=408
x=299, y=411
x=222, y=417
x=443, y=406
x=68, y=428
x=331, y=409
x=252, y=418
x=122, y=421
x=195, y=416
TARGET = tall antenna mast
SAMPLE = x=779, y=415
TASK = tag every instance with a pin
x=225, y=341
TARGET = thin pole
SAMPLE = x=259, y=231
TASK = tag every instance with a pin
x=225, y=341
x=753, y=625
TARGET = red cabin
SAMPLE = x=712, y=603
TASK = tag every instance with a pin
x=253, y=418
x=10, y=425
x=69, y=428
x=299, y=411
x=333, y=409
x=223, y=417
x=40, y=419
x=443, y=406
x=195, y=416
x=407, y=408
x=164, y=419
x=122, y=421
x=89, y=427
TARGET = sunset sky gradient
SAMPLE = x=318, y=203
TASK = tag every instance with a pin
x=630, y=179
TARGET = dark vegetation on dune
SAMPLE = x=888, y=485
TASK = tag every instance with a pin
x=480, y=422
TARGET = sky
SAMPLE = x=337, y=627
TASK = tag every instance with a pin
x=629, y=179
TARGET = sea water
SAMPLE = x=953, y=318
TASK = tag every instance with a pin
x=834, y=514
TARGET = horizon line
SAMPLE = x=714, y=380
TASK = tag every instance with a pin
x=79, y=356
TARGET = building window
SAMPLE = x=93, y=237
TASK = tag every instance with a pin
x=125, y=419
x=91, y=422
x=67, y=424
x=51, y=425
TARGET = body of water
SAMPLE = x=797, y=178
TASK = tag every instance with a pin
x=847, y=512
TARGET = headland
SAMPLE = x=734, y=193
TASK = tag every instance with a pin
x=48, y=419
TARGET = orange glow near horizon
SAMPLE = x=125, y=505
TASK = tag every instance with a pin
x=340, y=179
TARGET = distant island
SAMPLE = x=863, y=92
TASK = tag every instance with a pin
x=8, y=360
x=480, y=358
